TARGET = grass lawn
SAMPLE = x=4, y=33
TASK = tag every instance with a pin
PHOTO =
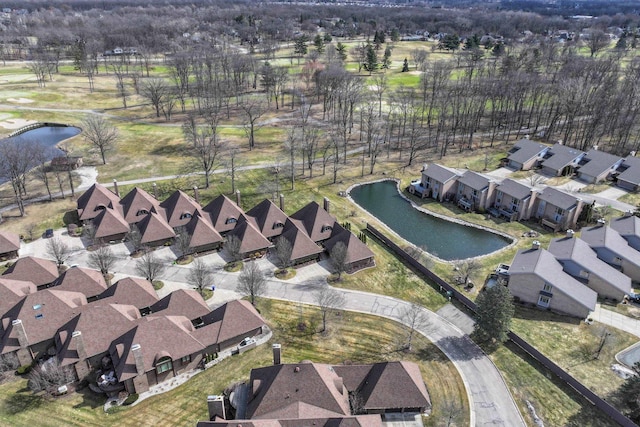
x=352, y=337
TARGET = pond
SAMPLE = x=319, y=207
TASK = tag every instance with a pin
x=445, y=239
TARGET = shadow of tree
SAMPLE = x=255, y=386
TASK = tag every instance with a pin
x=460, y=348
x=23, y=400
x=89, y=399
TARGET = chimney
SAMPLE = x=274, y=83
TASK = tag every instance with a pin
x=238, y=198
x=115, y=188
x=196, y=194
x=22, y=334
x=327, y=204
x=282, y=202
x=215, y=404
x=277, y=352
x=595, y=148
x=137, y=356
x=602, y=222
x=535, y=245
x=627, y=214
x=570, y=233
x=155, y=190
x=77, y=337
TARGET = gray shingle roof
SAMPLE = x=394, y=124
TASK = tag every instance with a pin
x=607, y=237
x=561, y=156
x=525, y=150
x=558, y=198
x=440, y=173
x=598, y=162
x=474, y=180
x=626, y=225
x=514, y=189
x=632, y=173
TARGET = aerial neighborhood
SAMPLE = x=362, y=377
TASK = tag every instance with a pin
x=312, y=213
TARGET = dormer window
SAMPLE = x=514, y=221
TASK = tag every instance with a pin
x=142, y=212
x=326, y=228
x=231, y=221
x=100, y=208
x=278, y=225
x=185, y=215
x=164, y=365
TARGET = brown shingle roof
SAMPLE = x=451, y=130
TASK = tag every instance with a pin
x=351, y=421
x=41, y=313
x=11, y=291
x=224, y=213
x=37, y=270
x=251, y=239
x=202, y=231
x=136, y=204
x=181, y=302
x=180, y=207
x=9, y=242
x=130, y=291
x=154, y=228
x=110, y=223
x=315, y=221
x=96, y=198
x=269, y=218
x=233, y=319
x=84, y=280
x=356, y=250
x=99, y=323
x=301, y=245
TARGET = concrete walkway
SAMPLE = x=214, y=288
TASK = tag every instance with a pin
x=616, y=320
x=490, y=400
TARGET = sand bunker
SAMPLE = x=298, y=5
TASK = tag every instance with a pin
x=20, y=100
x=16, y=123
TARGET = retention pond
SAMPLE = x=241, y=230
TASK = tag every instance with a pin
x=445, y=239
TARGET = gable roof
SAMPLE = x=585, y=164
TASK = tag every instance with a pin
x=304, y=390
x=9, y=242
x=606, y=237
x=578, y=251
x=561, y=156
x=250, y=238
x=96, y=198
x=597, y=162
x=130, y=291
x=232, y=319
x=474, y=180
x=439, y=173
x=99, y=323
x=301, y=245
x=356, y=249
x=525, y=149
x=543, y=264
x=379, y=385
x=37, y=270
x=201, y=231
x=315, y=221
x=626, y=225
x=155, y=228
x=632, y=172
x=179, y=207
x=514, y=189
x=41, y=313
x=12, y=291
x=222, y=210
x=558, y=198
x=110, y=222
x=136, y=204
x=158, y=337
x=84, y=280
x=370, y=420
x=181, y=302
x=269, y=218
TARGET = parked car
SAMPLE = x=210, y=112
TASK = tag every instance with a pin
x=48, y=233
x=634, y=297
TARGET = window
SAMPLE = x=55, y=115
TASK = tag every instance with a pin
x=39, y=316
x=186, y=359
x=499, y=197
x=100, y=208
x=460, y=189
x=185, y=215
x=231, y=221
x=142, y=212
x=544, y=301
x=515, y=203
x=547, y=287
x=617, y=260
x=37, y=306
x=164, y=365
x=559, y=211
x=278, y=225
x=325, y=228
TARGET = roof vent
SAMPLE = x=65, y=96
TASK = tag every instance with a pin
x=602, y=221
x=570, y=233
x=628, y=213
x=296, y=369
x=535, y=245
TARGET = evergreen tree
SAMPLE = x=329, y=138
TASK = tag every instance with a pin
x=472, y=42
x=318, y=42
x=371, y=61
x=300, y=46
x=386, y=60
x=395, y=35
x=405, y=66
x=341, y=48
x=494, y=310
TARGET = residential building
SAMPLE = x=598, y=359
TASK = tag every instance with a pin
x=513, y=200
x=316, y=221
x=269, y=218
x=556, y=209
x=252, y=242
x=537, y=278
x=203, y=237
x=12, y=291
x=155, y=230
x=95, y=199
x=475, y=191
x=9, y=245
x=224, y=214
x=526, y=154
x=596, y=166
x=629, y=174
x=438, y=182
x=88, y=282
x=137, y=204
x=561, y=160
x=110, y=226
x=179, y=208
x=359, y=255
x=41, y=272
x=303, y=249
x=613, y=249
x=628, y=226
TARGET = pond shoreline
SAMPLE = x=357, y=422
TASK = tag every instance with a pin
x=512, y=240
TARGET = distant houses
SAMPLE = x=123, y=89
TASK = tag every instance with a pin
x=159, y=222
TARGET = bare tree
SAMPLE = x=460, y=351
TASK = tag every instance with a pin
x=467, y=268
x=100, y=134
x=232, y=245
x=338, y=257
x=120, y=73
x=102, y=259
x=135, y=238
x=251, y=281
x=16, y=159
x=598, y=40
x=328, y=299
x=49, y=375
x=156, y=91
x=183, y=241
x=204, y=144
x=58, y=250
x=414, y=318
x=200, y=275
x=42, y=157
x=283, y=252
x=150, y=266
x=291, y=144
x=253, y=110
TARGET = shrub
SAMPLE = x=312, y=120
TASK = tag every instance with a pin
x=23, y=370
x=129, y=400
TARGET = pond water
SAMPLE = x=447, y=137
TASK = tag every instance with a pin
x=444, y=239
